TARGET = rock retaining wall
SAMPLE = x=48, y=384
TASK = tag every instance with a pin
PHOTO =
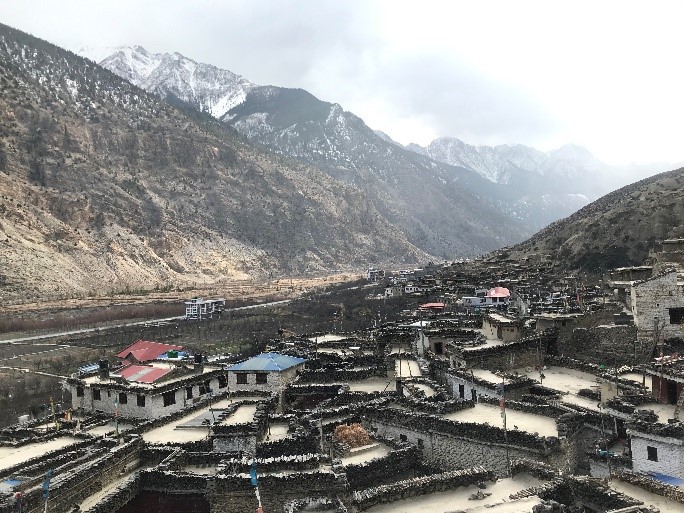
x=365, y=499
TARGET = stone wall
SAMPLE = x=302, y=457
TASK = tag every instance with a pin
x=325, y=504
x=454, y=445
x=40, y=464
x=669, y=454
x=593, y=494
x=306, y=443
x=235, y=494
x=118, y=497
x=365, y=499
x=380, y=470
x=523, y=353
x=647, y=483
x=333, y=375
x=475, y=387
x=610, y=345
x=308, y=395
x=73, y=486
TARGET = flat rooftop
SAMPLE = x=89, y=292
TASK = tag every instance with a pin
x=243, y=415
x=427, y=389
x=366, y=453
x=10, y=456
x=515, y=420
x=407, y=368
x=501, y=318
x=567, y=381
x=486, y=375
x=458, y=499
x=664, y=504
x=174, y=432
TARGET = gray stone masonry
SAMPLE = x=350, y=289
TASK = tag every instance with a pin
x=610, y=345
x=454, y=445
x=365, y=499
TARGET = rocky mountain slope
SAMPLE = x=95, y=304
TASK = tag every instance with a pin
x=446, y=210
x=616, y=230
x=104, y=187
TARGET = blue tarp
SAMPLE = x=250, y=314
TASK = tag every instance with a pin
x=674, y=481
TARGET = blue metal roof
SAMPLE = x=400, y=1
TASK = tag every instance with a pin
x=268, y=362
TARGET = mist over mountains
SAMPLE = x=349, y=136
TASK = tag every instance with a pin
x=157, y=171
x=533, y=188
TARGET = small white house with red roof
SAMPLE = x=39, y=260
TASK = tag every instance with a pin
x=154, y=380
x=145, y=351
x=497, y=296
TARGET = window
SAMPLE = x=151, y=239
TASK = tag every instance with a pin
x=242, y=379
x=169, y=398
x=141, y=401
x=96, y=394
x=420, y=442
x=403, y=438
x=676, y=315
x=461, y=391
x=222, y=382
x=123, y=398
x=79, y=391
x=652, y=453
x=188, y=393
x=261, y=378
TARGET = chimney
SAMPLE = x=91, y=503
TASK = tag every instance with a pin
x=104, y=369
x=199, y=363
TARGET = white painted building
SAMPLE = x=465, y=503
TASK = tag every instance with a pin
x=375, y=275
x=146, y=391
x=658, y=450
x=198, y=308
x=658, y=305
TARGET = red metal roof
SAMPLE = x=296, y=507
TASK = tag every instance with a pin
x=152, y=376
x=499, y=292
x=143, y=373
x=144, y=350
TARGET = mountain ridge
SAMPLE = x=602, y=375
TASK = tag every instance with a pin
x=619, y=229
x=531, y=188
x=105, y=187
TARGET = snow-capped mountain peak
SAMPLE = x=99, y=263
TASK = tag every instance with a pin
x=503, y=163
x=204, y=86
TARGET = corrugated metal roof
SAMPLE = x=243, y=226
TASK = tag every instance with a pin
x=498, y=292
x=268, y=362
x=144, y=350
x=142, y=373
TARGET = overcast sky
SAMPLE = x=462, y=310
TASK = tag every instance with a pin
x=607, y=75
